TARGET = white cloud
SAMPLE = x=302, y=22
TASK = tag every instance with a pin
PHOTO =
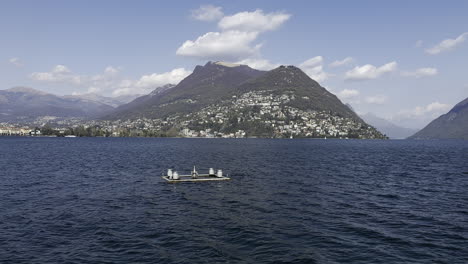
x=158, y=79
x=312, y=62
x=61, y=69
x=255, y=21
x=437, y=107
x=421, y=115
x=111, y=70
x=109, y=81
x=422, y=72
x=368, y=71
x=207, y=13
x=235, y=41
x=447, y=44
x=347, y=94
x=314, y=68
x=228, y=45
x=59, y=74
x=376, y=99
x=15, y=61
x=342, y=62
x=259, y=64
x=151, y=81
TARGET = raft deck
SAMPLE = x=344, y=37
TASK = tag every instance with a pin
x=200, y=178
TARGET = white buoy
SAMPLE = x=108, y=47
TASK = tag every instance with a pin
x=175, y=175
x=211, y=172
x=169, y=173
x=220, y=173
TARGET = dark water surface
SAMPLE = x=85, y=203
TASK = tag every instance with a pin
x=101, y=200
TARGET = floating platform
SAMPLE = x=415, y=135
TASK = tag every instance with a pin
x=199, y=178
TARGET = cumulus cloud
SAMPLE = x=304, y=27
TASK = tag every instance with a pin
x=421, y=72
x=60, y=73
x=111, y=70
x=369, y=72
x=109, y=82
x=158, y=79
x=419, y=116
x=312, y=62
x=207, y=13
x=376, y=99
x=434, y=109
x=342, y=62
x=235, y=41
x=259, y=64
x=61, y=69
x=151, y=81
x=447, y=44
x=15, y=61
x=256, y=21
x=228, y=45
x=314, y=68
x=437, y=107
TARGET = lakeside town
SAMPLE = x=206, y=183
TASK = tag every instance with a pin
x=252, y=114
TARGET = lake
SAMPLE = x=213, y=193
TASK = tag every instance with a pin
x=102, y=200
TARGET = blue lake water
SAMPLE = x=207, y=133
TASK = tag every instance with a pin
x=102, y=200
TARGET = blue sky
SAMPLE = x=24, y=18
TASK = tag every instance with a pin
x=402, y=60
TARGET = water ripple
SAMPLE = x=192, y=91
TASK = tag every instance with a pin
x=101, y=200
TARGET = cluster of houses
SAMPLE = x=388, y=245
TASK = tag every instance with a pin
x=272, y=111
x=210, y=133
x=18, y=131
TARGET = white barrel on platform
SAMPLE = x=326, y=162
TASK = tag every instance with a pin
x=220, y=173
x=211, y=172
x=169, y=173
x=175, y=175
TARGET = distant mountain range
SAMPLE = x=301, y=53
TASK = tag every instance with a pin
x=452, y=125
x=26, y=104
x=111, y=101
x=388, y=128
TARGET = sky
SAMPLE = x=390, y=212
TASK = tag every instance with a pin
x=406, y=61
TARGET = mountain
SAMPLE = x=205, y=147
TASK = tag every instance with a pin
x=230, y=100
x=112, y=101
x=27, y=104
x=96, y=98
x=388, y=128
x=453, y=125
x=308, y=94
x=207, y=84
